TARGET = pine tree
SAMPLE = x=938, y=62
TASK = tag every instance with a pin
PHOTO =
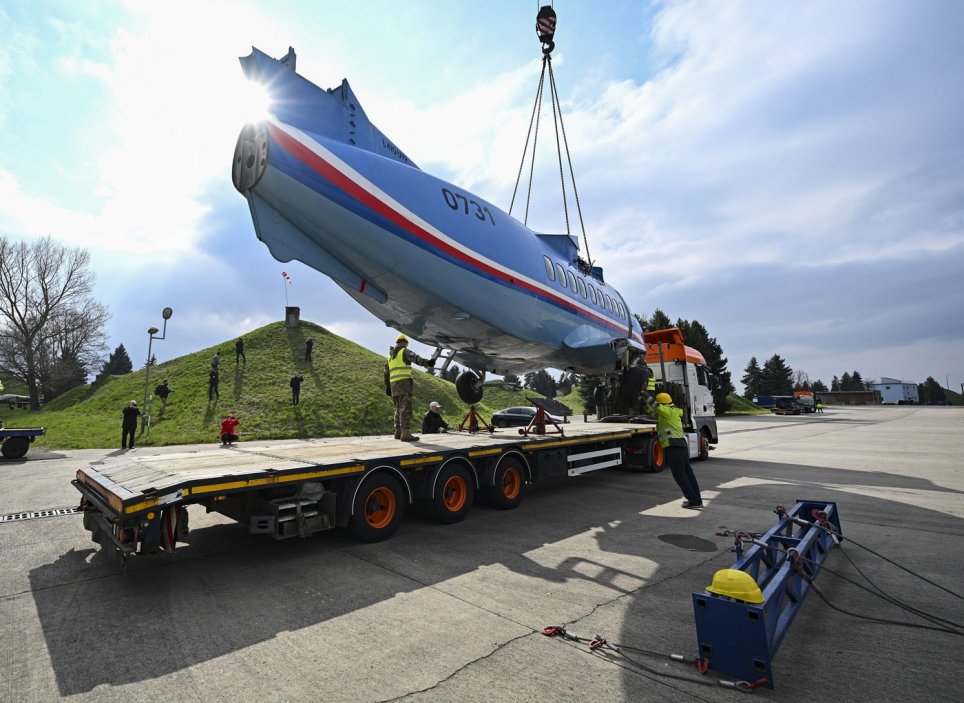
x=777, y=377
x=696, y=336
x=542, y=383
x=659, y=321
x=586, y=387
x=857, y=382
x=117, y=364
x=818, y=386
x=835, y=385
x=846, y=382
x=752, y=375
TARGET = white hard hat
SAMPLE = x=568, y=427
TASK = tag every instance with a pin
x=434, y=404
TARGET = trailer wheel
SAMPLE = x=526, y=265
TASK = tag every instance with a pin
x=453, y=499
x=378, y=510
x=506, y=493
x=15, y=447
x=704, y=452
x=657, y=456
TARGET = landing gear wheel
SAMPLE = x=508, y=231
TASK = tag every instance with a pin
x=15, y=447
x=630, y=385
x=657, y=456
x=468, y=384
x=704, y=452
x=378, y=509
x=506, y=494
x=454, y=493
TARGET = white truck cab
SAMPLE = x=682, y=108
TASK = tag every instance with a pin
x=681, y=371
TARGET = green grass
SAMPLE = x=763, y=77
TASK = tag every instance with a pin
x=343, y=394
x=741, y=406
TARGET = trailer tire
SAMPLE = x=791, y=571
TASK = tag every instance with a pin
x=506, y=491
x=15, y=447
x=454, y=494
x=378, y=509
x=704, y=452
x=657, y=456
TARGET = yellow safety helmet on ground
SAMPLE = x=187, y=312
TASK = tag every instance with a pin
x=735, y=584
x=664, y=399
x=401, y=339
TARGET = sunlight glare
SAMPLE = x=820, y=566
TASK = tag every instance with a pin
x=254, y=102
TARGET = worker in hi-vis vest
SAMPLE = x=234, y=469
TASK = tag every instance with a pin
x=669, y=430
x=399, y=367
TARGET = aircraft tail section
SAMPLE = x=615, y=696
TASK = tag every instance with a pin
x=335, y=113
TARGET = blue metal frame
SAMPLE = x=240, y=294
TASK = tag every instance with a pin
x=740, y=639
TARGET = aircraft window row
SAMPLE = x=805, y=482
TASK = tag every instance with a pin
x=567, y=279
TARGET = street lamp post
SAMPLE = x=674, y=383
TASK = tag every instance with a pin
x=166, y=314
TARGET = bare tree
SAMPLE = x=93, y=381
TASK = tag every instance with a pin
x=47, y=312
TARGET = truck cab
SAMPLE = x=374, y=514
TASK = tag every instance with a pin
x=681, y=371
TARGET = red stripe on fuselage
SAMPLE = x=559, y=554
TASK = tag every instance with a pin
x=326, y=170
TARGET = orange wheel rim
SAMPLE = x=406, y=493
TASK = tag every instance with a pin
x=380, y=507
x=657, y=454
x=511, y=483
x=454, y=493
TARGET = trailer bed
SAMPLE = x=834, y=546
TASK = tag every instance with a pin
x=137, y=503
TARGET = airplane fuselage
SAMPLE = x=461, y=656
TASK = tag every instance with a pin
x=430, y=259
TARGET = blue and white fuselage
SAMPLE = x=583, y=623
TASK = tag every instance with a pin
x=432, y=260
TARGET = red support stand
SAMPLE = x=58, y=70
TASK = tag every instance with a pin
x=537, y=425
x=473, y=419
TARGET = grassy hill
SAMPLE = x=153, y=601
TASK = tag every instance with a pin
x=343, y=394
x=741, y=406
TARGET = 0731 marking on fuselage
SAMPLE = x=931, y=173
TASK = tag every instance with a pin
x=452, y=200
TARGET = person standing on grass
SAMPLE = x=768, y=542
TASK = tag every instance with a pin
x=162, y=391
x=239, y=352
x=295, y=384
x=129, y=424
x=213, y=381
x=309, y=344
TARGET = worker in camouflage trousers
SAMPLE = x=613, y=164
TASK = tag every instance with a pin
x=669, y=430
x=399, y=367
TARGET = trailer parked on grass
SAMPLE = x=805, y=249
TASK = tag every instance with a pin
x=138, y=504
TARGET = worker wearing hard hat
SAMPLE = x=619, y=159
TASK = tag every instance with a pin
x=669, y=431
x=399, y=366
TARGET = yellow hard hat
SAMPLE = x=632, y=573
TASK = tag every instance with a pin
x=664, y=399
x=736, y=584
x=401, y=338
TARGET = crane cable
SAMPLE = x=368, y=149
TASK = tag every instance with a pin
x=545, y=28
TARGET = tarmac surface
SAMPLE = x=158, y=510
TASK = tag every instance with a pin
x=455, y=612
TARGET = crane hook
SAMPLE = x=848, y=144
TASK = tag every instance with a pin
x=546, y=28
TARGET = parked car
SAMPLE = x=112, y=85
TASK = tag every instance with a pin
x=519, y=417
x=787, y=406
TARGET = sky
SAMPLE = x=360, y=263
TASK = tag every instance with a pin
x=789, y=174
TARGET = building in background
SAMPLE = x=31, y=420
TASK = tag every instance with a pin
x=895, y=391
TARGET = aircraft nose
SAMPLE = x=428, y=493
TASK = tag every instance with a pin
x=250, y=156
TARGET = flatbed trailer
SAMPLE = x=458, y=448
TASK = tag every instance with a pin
x=137, y=504
x=16, y=441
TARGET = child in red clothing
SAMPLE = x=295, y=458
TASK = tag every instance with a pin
x=228, y=433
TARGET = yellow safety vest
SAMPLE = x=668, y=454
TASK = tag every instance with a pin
x=669, y=424
x=398, y=370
